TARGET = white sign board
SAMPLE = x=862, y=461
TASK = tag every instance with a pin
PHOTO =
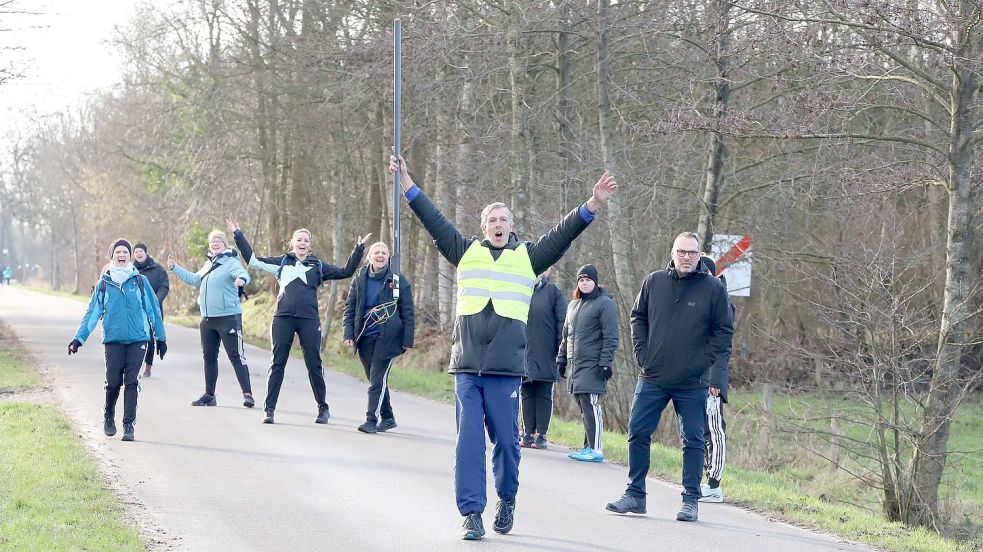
x=732, y=253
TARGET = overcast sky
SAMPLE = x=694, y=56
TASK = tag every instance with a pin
x=62, y=51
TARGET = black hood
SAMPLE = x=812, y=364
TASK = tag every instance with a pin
x=145, y=265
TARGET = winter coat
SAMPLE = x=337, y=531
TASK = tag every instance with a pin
x=298, y=280
x=157, y=277
x=681, y=327
x=486, y=343
x=590, y=339
x=218, y=295
x=544, y=331
x=127, y=312
x=397, y=331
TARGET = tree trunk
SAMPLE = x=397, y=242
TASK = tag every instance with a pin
x=567, y=264
x=716, y=149
x=517, y=79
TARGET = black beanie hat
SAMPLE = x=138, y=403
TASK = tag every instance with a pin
x=587, y=271
x=140, y=245
x=118, y=243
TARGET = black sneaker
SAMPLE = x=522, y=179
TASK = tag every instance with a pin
x=322, y=415
x=247, y=400
x=689, y=512
x=385, y=424
x=109, y=427
x=268, y=419
x=526, y=441
x=368, y=427
x=540, y=443
x=504, y=516
x=205, y=400
x=626, y=504
x=473, y=528
x=127, y=432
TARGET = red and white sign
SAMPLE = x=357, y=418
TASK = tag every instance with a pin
x=732, y=253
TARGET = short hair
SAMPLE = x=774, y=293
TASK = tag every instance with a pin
x=310, y=236
x=689, y=235
x=218, y=234
x=373, y=246
x=491, y=207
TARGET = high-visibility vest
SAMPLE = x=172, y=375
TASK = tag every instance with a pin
x=506, y=282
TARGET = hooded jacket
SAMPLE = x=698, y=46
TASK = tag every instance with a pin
x=544, y=330
x=680, y=327
x=397, y=331
x=218, y=295
x=590, y=339
x=298, y=280
x=127, y=312
x=157, y=276
x=486, y=343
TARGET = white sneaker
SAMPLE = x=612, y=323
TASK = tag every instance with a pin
x=711, y=495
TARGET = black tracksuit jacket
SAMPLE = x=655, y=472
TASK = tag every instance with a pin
x=397, y=332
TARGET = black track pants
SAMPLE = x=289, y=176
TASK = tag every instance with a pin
x=537, y=406
x=227, y=331
x=377, y=370
x=123, y=361
x=282, y=335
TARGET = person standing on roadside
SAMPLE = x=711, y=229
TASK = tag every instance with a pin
x=158, y=279
x=543, y=333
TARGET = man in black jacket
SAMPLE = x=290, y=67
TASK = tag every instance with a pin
x=495, y=278
x=161, y=285
x=681, y=324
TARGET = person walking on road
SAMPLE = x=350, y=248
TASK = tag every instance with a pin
x=495, y=278
x=590, y=340
x=158, y=279
x=299, y=274
x=379, y=328
x=543, y=333
x=124, y=301
x=681, y=324
x=219, y=281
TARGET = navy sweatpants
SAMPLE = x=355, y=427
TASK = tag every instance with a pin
x=490, y=402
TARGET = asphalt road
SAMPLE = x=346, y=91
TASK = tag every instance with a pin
x=215, y=478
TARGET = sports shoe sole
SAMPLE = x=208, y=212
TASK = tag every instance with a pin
x=712, y=499
x=611, y=508
x=473, y=535
x=248, y=402
x=127, y=438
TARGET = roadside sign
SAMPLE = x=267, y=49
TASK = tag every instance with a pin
x=733, y=255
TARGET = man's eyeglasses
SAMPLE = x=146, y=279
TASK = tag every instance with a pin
x=685, y=253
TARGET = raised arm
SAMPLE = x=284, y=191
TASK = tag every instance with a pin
x=266, y=264
x=449, y=241
x=332, y=272
x=185, y=276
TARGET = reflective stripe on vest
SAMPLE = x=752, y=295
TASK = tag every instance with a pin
x=506, y=282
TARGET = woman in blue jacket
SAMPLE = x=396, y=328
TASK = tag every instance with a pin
x=218, y=282
x=299, y=273
x=125, y=302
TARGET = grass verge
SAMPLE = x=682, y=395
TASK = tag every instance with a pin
x=14, y=371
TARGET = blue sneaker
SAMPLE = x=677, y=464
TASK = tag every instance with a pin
x=576, y=453
x=588, y=455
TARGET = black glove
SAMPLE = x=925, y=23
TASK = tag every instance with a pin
x=161, y=348
x=73, y=347
x=563, y=369
x=607, y=372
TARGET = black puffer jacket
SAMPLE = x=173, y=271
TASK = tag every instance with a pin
x=681, y=327
x=397, y=331
x=299, y=280
x=590, y=339
x=486, y=343
x=157, y=277
x=544, y=331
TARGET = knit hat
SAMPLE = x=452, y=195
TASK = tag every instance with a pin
x=588, y=271
x=118, y=243
x=140, y=245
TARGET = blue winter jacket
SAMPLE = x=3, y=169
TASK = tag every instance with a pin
x=126, y=313
x=218, y=294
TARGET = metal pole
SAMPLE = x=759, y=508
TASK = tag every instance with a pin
x=397, y=191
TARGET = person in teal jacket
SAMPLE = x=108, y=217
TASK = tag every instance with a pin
x=218, y=282
x=126, y=303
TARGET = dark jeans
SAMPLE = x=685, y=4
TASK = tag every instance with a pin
x=537, y=406
x=646, y=410
x=225, y=331
x=377, y=370
x=282, y=333
x=123, y=368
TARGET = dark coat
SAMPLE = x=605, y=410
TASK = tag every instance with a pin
x=397, y=331
x=157, y=277
x=544, y=331
x=590, y=340
x=486, y=343
x=681, y=327
x=298, y=295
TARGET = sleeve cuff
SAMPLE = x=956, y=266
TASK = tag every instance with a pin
x=585, y=214
x=412, y=193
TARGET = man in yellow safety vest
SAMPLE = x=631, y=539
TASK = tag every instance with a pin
x=495, y=279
